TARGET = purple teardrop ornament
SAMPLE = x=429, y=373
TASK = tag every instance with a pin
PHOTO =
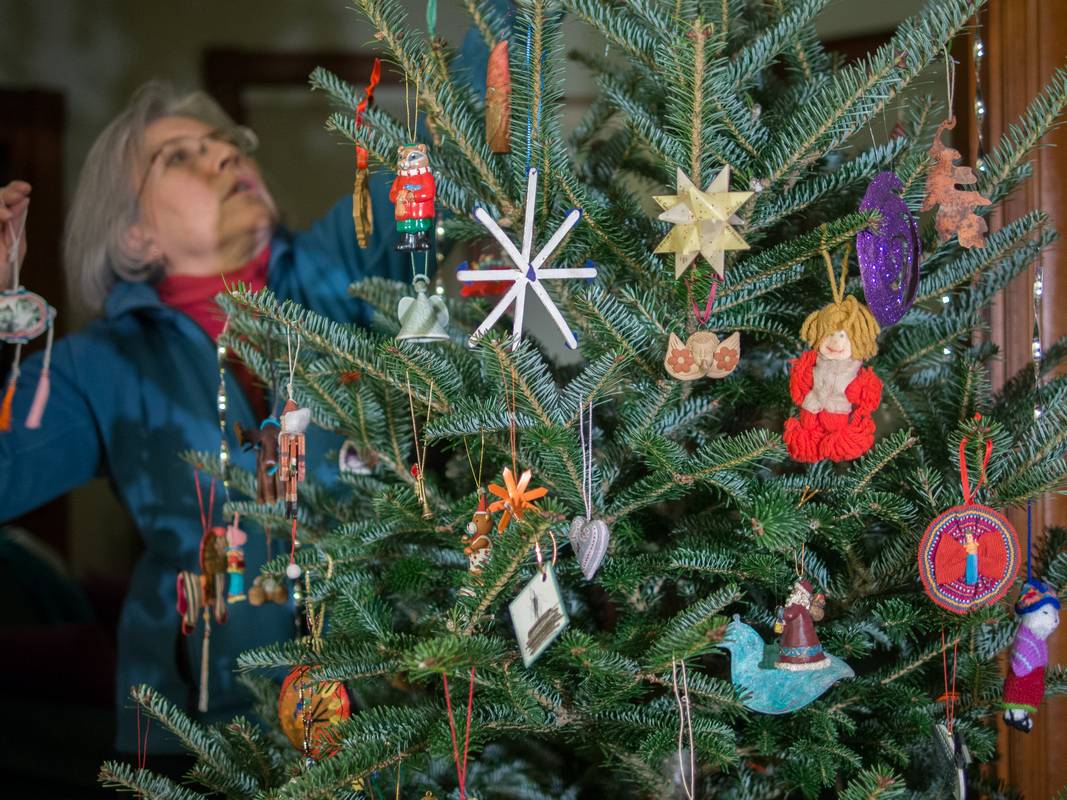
x=888, y=255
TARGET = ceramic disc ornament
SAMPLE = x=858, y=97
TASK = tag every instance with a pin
x=968, y=558
x=889, y=253
x=315, y=704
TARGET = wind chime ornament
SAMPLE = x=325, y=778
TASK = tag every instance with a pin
x=888, y=254
x=968, y=555
x=498, y=99
x=835, y=393
x=703, y=222
x=527, y=273
x=362, y=208
x=589, y=536
x=24, y=315
x=1038, y=610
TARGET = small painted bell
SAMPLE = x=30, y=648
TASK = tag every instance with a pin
x=422, y=318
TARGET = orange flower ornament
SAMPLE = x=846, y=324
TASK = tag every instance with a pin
x=515, y=499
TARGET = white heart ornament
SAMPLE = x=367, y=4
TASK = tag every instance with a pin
x=590, y=539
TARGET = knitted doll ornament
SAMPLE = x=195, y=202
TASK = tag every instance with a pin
x=1024, y=687
x=836, y=394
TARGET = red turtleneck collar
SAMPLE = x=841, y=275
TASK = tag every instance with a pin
x=195, y=295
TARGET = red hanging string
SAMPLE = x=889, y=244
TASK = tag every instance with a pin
x=204, y=518
x=968, y=495
x=142, y=743
x=461, y=771
x=368, y=97
x=704, y=316
x=950, y=695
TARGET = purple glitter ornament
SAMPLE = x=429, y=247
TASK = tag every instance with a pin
x=888, y=255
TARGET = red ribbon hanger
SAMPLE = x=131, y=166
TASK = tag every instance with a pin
x=362, y=155
x=968, y=495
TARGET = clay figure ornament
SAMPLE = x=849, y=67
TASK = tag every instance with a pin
x=413, y=192
x=1024, y=687
x=836, y=394
x=955, y=215
x=702, y=356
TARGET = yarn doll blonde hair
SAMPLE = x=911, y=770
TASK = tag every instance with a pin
x=844, y=314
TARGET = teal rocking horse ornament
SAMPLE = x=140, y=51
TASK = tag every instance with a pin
x=800, y=672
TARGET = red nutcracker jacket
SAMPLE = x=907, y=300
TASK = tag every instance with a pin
x=864, y=392
x=421, y=183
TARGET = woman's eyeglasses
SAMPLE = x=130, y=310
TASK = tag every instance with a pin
x=185, y=152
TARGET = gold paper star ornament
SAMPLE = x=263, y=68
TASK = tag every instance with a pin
x=702, y=222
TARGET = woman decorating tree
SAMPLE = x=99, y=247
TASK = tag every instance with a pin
x=170, y=209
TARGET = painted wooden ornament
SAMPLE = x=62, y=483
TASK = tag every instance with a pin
x=703, y=221
x=235, y=561
x=955, y=213
x=413, y=193
x=768, y=689
x=264, y=440
x=702, y=356
x=526, y=273
x=1038, y=610
x=969, y=555
x=307, y=710
x=888, y=254
x=498, y=99
x=835, y=393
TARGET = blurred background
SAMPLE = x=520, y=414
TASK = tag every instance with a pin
x=68, y=66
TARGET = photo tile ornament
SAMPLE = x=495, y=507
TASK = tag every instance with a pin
x=888, y=254
x=703, y=221
x=526, y=273
x=538, y=614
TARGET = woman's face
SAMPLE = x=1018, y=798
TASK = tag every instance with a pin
x=836, y=347
x=203, y=208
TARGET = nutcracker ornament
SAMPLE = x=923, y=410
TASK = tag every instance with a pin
x=235, y=561
x=836, y=394
x=413, y=192
x=1038, y=610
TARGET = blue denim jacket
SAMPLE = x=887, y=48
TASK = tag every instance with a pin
x=136, y=388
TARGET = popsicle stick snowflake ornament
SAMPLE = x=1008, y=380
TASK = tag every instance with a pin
x=527, y=273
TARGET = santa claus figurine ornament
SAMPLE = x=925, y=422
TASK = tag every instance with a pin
x=1038, y=610
x=836, y=394
x=799, y=647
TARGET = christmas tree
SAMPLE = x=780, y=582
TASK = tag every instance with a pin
x=644, y=693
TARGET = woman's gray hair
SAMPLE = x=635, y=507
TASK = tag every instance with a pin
x=95, y=253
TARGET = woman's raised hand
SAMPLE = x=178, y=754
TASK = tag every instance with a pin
x=14, y=204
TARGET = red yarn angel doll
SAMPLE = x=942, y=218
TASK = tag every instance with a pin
x=836, y=394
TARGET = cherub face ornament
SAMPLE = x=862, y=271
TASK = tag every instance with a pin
x=702, y=356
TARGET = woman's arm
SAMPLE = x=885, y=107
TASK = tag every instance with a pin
x=39, y=465
x=326, y=259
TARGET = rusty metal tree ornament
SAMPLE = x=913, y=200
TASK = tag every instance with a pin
x=955, y=216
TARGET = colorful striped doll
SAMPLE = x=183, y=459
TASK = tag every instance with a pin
x=1024, y=687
